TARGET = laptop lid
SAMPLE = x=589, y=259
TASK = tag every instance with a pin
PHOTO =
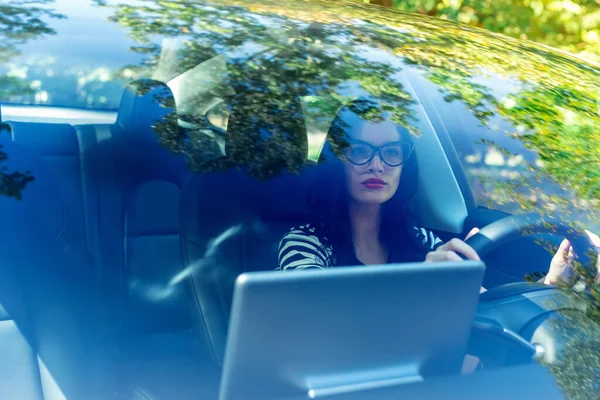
x=323, y=332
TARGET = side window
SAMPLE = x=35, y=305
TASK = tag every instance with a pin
x=318, y=112
x=495, y=162
x=518, y=158
x=531, y=151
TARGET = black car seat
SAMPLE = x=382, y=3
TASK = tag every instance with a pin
x=57, y=145
x=233, y=222
x=131, y=195
x=53, y=337
x=132, y=184
x=131, y=201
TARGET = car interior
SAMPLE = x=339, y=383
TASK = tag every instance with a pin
x=139, y=307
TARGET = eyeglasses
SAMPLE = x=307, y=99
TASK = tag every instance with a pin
x=393, y=154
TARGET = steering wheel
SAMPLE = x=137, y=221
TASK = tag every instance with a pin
x=513, y=227
x=513, y=314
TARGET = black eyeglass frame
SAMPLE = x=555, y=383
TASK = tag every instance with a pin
x=378, y=150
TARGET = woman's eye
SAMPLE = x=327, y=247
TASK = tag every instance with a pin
x=359, y=151
x=393, y=152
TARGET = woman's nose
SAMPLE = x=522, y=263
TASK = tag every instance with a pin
x=376, y=164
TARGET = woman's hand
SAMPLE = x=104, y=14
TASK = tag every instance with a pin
x=561, y=268
x=450, y=251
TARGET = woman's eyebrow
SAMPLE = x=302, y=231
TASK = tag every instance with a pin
x=359, y=141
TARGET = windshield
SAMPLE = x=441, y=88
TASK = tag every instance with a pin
x=55, y=54
x=164, y=148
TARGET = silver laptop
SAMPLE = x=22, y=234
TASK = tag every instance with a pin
x=315, y=333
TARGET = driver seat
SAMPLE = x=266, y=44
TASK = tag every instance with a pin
x=234, y=222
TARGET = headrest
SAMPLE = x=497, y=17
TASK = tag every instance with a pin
x=266, y=133
x=145, y=107
x=46, y=139
x=227, y=198
x=267, y=138
x=4, y=129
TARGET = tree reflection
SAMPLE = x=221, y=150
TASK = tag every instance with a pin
x=572, y=26
x=12, y=183
x=23, y=20
x=20, y=21
x=268, y=78
x=280, y=52
x=301, y=52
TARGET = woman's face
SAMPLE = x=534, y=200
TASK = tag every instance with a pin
x=374, y=182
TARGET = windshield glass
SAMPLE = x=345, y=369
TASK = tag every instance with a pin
x=55, y=54
x=206, y=139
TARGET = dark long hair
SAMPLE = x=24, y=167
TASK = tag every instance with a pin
x=329, y=195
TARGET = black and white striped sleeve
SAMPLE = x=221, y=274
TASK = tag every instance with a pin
x=303, y=248
x=427, y=239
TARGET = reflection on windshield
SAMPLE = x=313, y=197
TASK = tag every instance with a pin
x=257, y=85
x=158, y=293
x=63, y=53
x=329, y=63
x=278, y=74
x=19, y=25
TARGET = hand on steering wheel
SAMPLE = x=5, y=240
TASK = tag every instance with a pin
x=577, y=257
x=479, y=243
x=561, y=266
x=450, y=251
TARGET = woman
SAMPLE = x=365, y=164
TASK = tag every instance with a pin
x=361, y=217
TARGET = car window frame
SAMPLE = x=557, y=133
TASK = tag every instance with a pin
x=443, y=135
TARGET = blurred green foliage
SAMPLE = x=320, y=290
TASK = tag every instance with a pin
x=571, y=25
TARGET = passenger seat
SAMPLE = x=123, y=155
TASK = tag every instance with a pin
x=53, y=338
x=132, y=189
x=57, y=147
x=126, y=185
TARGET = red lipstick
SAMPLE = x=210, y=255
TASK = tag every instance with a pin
x=374, y=183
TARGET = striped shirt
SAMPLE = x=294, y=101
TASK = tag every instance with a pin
x=304, y=248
